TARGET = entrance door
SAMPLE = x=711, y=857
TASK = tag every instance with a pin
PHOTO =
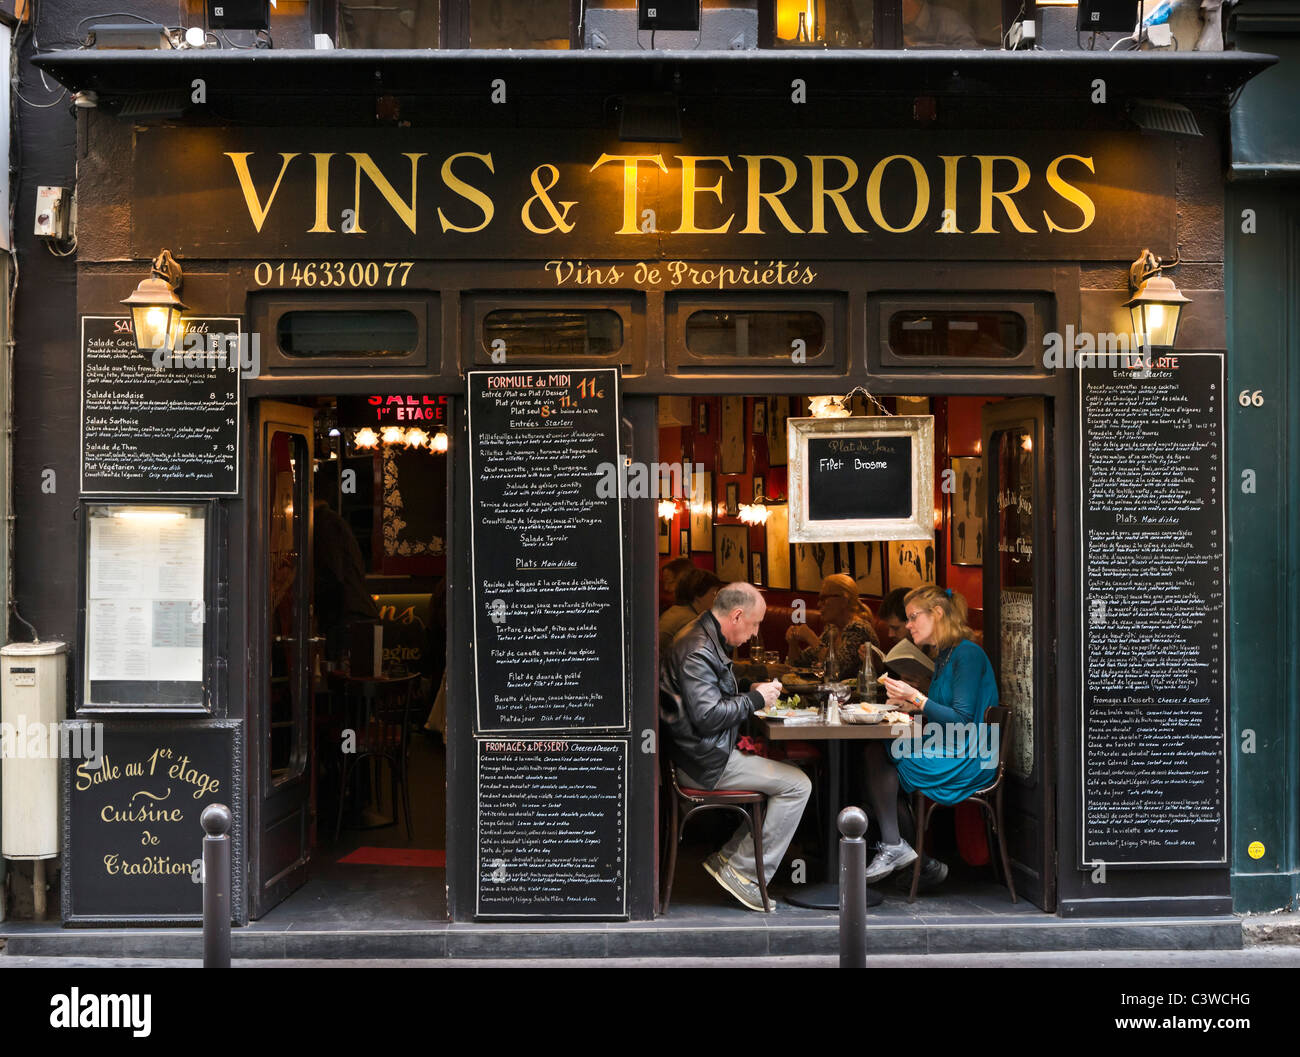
x=1018, y=629
x=280, y=582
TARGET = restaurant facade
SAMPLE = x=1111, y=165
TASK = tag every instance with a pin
x=524, y=266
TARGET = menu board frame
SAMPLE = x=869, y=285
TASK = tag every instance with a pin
x=613, y=377
x=234, y=326
x=919, y=522
x=212, y=615
x=1223, y=703
x=480, y=745
x=230, y=731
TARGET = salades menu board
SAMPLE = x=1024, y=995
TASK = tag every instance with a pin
x=159, y=430
x=552, y=827
x=1153, y=576
x=546, y=549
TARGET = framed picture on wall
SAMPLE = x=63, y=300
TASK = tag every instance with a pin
x=911, y=563
x=869, y=568
x=702, y=511
x=777, y=548
x=733, y=499
x=665, y=540
x=760, y=486
x=760, y=417
x=813, y=562
x=731, y=443
x=965, y=511
x=843, y=551
x=777, y=412
x=731, y=552
x=685, y=549
x=702, y=417
x=756, y=569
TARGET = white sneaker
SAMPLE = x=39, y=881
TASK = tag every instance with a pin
x=890, y=857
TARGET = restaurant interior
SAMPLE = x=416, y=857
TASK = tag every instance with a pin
x=380, y=509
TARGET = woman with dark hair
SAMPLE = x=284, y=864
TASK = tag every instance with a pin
x=696, y=591
x=956, y=755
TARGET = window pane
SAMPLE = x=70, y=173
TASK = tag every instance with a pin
x=834, y=23
x=974, y=335
x=519, y=24
x=554, y=331
x=952, y=24
x=376, y=332
x=754, y=334
x=397, y=24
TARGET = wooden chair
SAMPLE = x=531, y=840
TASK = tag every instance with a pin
x=989, y=799
x=685, y=801
x=381, y=711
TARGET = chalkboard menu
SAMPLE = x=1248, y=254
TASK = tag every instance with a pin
x=132, y=838
x=859, y=477
x=552, y=828
x=171, y=430
x=546, y=548
x=1154, y=703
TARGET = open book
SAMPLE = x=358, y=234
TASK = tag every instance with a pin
x=905, y=661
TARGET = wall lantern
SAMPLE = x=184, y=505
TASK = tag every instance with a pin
x=1156, y=303
x=416, y=437
x=155, y=309
x=667, y=509
x=366, y=438
x=439, y=442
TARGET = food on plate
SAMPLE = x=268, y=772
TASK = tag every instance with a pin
x=897, y=717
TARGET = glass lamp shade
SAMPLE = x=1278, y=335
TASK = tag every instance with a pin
x=156, y=315
x=439, y=442
x=1155, y=309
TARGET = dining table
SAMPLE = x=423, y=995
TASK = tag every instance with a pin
x=825, y=895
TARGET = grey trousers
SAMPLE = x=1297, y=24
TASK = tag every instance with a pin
x=787, y=790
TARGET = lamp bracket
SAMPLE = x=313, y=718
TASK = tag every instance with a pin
x=165, y=268
x=1148, y=264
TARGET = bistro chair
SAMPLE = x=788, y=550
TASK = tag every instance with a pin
x=685, y=801
x=989, y=799
x=381, y=711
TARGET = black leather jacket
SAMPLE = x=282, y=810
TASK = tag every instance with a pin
x=703, y=708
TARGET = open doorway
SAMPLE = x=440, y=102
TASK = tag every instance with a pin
x=348, y=719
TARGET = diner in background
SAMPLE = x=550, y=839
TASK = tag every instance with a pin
x=696, y=591
x=702, y=735
x=947, y=770
x=668, y=577
x=846, y=620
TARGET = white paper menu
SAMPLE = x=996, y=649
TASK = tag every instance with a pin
x=145, y=604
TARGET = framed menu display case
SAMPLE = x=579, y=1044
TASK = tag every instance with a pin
x=147, y=591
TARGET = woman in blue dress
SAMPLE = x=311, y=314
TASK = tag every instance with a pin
x=956, y=754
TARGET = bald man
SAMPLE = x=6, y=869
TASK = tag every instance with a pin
x=697, y=673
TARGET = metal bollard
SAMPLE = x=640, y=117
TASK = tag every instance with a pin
x=852, y=824
x=216, y=820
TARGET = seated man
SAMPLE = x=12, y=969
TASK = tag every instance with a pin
x=697, y=671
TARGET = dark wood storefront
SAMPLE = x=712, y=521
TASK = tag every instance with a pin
x=511, y=213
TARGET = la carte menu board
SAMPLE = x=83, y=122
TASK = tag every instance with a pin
x=546, y=549
x=552, y=828
x=1154, y=701
x=150, y=430
x=132, y=839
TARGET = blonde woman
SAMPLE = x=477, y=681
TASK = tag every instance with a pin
x=950, y=766
x=846, y=613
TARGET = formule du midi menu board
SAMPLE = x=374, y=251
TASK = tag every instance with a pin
x=549, y=650
x=1154, y=706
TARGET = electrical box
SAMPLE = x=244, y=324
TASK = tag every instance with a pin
x=53, y=207
x=668, y=14
x=33, y=703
